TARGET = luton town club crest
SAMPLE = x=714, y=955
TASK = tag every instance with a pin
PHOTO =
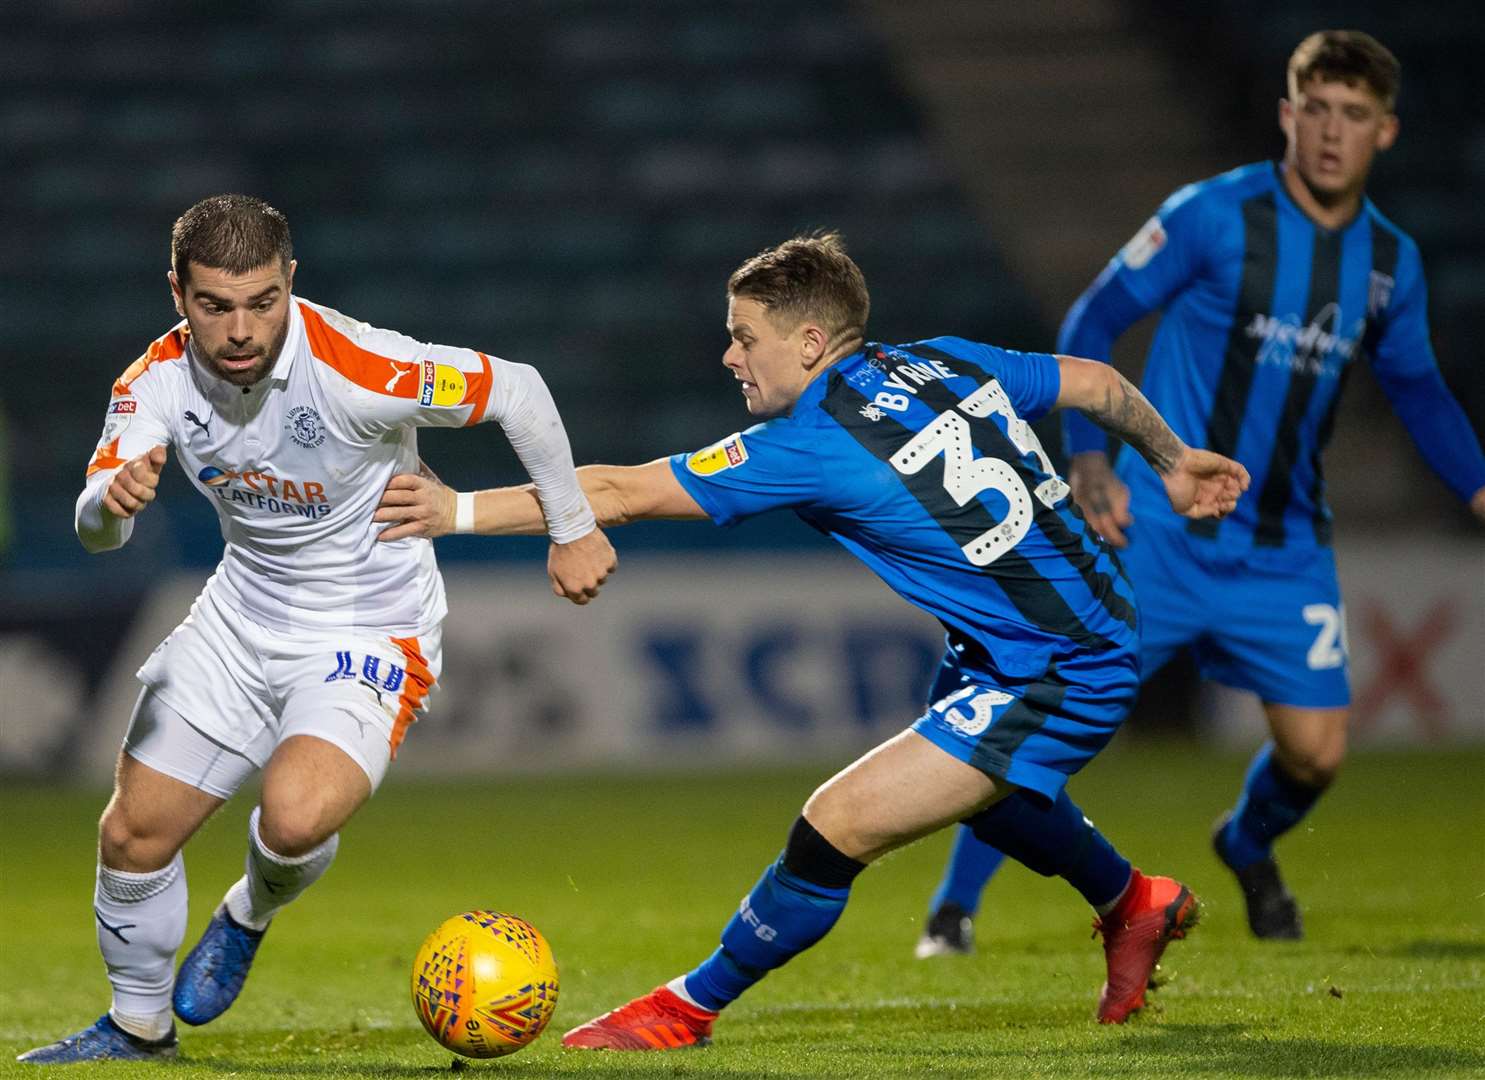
x=305, y=426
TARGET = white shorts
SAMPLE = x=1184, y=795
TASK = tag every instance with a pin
x=244, y=689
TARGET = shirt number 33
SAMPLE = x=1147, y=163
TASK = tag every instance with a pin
x=965, y=476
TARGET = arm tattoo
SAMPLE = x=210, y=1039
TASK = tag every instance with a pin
x=1127, y=414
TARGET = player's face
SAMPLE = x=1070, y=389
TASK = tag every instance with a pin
x=774, y=367
x=239, y=322
x=1334, y=131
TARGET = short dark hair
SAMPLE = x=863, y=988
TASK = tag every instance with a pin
x=808, y=276
x=235, y=233
x=1347, y=56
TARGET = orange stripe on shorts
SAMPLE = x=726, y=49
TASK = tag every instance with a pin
x=415, y=687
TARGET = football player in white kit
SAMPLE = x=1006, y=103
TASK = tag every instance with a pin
x=312, y=647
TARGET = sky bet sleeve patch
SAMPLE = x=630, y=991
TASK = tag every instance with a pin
x=443, y=386
x=121, y=410
x=727, y=454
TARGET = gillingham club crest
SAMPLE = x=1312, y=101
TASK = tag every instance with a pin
x=305, y=426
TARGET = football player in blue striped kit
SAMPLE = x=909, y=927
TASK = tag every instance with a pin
x=1274, y=280
x=919, y=460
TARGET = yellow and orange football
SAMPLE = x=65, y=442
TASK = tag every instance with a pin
x=485, y=984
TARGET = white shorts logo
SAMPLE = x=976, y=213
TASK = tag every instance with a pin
x=981, y=709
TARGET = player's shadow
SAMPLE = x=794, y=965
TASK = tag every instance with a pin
x=1429, y=949
x=685, y=1063
x=1248, y=1050
x=230, y=1066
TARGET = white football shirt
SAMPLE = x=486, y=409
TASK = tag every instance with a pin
x=296, y=464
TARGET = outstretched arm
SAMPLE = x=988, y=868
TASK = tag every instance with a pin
x=579, y=558
x=423, y=505
x=1199, y=483
x=522, y=405
x=440, y=386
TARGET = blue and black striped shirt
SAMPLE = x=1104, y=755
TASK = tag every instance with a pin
x=920, y=461
x=1265, y=313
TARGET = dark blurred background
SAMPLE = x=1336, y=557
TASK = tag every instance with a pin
x=569, y=183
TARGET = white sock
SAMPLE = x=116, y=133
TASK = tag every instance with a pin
x=677, y=986
x=141, y=921
x=151, y=1028
x=273, y=880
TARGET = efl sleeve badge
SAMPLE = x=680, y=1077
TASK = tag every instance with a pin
x=727, y=454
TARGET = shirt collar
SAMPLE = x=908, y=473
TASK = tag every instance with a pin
x=294, y=344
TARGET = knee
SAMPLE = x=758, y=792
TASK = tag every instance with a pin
x=1315, y=762
x=830, y=815
x=292, y=831
x=1316, y=770
x=128, y=845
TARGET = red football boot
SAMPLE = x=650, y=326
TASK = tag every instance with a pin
x=658, y=1021
x=1153, y=912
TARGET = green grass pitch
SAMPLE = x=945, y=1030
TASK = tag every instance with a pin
x=632, y=877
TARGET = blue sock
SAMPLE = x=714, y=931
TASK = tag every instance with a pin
x=972, y=864
x=1271, y=804
x=778, y=920
x=1055, y=841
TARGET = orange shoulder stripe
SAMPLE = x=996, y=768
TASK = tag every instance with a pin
x=478, y=392
x=391, y=377
x=170, y=347
x=368, y=370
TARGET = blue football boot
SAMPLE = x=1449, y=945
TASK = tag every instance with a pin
x=213, y=973
x=104, y=1041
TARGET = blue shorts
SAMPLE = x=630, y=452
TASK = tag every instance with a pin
x=1268, y=620
x=1032, y=733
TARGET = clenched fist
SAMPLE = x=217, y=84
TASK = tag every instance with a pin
x=133, y=486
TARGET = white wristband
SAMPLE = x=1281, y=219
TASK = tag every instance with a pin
x=464, y=511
